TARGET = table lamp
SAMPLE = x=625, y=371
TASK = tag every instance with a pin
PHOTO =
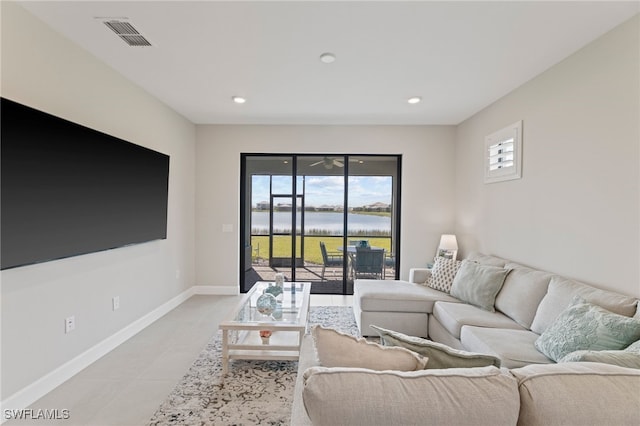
x=448, y=247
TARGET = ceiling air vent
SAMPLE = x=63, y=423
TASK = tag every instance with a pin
x=128, y=33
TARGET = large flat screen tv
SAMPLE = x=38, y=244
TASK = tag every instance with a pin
x=69, y=190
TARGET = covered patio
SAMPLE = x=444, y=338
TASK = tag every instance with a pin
x=310, y=272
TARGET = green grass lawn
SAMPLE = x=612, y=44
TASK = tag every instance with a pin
x=282, y=246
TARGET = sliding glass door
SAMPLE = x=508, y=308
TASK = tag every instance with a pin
x=307, y=215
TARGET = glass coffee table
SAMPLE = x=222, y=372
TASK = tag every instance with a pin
x=282, y=331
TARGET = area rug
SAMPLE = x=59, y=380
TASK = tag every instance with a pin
x=252, y=393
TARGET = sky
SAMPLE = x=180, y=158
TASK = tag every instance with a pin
x=327, y=190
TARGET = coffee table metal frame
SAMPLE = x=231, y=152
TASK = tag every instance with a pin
x=241, y=333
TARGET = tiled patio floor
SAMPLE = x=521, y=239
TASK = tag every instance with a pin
x=332, y=283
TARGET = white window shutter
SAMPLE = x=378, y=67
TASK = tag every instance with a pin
x=503, y=154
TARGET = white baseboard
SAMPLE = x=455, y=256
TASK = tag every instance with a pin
x=217, y=290
x=36, y=390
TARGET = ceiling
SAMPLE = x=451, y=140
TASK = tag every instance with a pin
x=458, y=57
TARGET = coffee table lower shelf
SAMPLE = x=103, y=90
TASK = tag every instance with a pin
x=283, y=346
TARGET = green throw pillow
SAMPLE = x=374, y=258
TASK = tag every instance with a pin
x=440, y=356
x=478, y=284
x=585, y=326
x=624, y=358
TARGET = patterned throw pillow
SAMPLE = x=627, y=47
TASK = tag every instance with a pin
x=585, y=326
x=442, y=274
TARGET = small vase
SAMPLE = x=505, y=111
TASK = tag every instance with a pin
x=280, y=286
x=276, y=291
x=265, y=335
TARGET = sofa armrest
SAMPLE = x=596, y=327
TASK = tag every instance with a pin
x=308, y=359
x=419, y=275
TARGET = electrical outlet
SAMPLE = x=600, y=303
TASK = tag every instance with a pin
x=116, y=303
x=69, y=324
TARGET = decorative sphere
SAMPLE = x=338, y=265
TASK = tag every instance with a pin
x=266, y=304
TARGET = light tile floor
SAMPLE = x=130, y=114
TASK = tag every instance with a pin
x=126, y=386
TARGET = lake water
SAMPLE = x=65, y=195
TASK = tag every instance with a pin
x=325, y=221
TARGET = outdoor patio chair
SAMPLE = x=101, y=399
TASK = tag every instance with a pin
x=368, y=262
x=329, y=259
x=389, y=262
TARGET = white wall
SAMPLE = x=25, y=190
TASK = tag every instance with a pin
x=43, y=70
x=576, y=210
x=427, y=184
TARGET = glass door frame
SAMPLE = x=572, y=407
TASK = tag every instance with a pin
x=245, y=228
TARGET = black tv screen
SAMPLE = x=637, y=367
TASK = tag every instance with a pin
x=69, y=190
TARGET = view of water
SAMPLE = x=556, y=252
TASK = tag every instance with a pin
x=324, y=221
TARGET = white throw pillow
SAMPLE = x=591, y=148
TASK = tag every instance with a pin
x=336, y=349
x=622, y=358
x=478, y=284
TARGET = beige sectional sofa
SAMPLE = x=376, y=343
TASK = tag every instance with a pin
x=530, y=389
x=565, y=394
x=526, y=305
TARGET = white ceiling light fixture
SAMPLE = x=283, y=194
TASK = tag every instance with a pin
x=327, y=58
x=414, y=100
x=239, y=99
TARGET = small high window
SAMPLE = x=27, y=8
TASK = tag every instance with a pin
x=503, y=154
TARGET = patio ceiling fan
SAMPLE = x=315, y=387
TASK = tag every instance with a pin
x=329, y=162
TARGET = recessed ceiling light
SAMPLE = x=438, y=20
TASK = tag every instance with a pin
x=327, y=57
x=414, y=100
x=239, y=99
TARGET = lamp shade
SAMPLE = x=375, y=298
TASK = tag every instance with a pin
x=448, y=242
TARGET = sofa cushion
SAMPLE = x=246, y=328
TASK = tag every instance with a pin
x=514, y=347
x=454, y=396
x=522, y=292
x=578, y=394
x=336, y=349
x=560, y=293
x=486, y=259
x=440, y=355
x=585, y=326
x=397, y=296
x=478, y=284
x=442, y=274
x=453, y=316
